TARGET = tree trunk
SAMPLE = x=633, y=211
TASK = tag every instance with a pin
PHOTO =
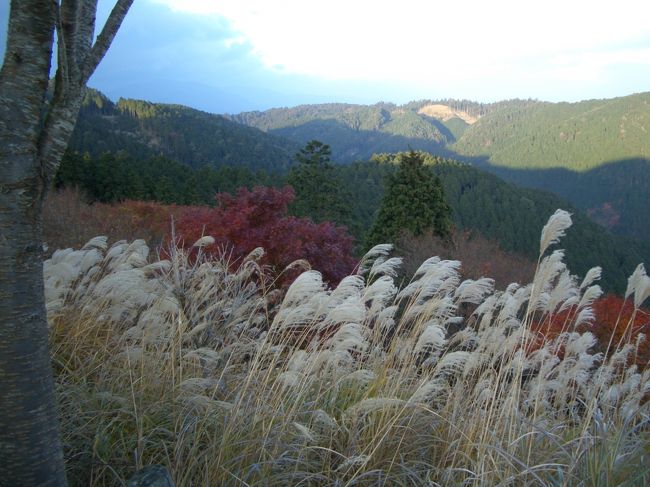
x=33, y=137
x=30, y=447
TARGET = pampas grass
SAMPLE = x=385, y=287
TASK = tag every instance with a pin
x=205, y=367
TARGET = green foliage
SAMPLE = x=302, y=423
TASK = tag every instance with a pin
x=577, y=136
x=144, y=129
x=318, y=189
x=501, y=212
x=116, y=177
x=314, y=153
x=614, y=194
x=594, y=153
x=413, y=201
x=354, y=132
x=580, y=151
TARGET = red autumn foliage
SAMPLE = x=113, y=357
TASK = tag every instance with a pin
x=239, y=224
x=258, y=218
x=615, y=320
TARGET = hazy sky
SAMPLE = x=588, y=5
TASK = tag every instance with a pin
x=234, y=55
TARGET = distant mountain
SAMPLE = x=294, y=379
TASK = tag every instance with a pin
x=575, y=136
x=594, y=153
x=193, y=137
x=480, y=201
x=354, y=132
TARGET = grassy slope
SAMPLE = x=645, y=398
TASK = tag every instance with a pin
x=200, y=368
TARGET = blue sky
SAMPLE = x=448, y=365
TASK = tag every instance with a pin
x=236, y=55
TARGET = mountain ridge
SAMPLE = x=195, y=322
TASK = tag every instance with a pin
x=528, y=142
x=518, y=140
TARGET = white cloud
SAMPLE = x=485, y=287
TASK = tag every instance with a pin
x=392, y=40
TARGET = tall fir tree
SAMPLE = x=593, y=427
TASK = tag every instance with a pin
x=413, y=202
x=319, y=193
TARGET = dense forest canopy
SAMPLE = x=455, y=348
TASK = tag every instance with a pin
x=503, y=212
x=593, y=154
x=144, y=129
x=140, y=150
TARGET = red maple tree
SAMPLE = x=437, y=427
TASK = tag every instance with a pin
x=258, y=218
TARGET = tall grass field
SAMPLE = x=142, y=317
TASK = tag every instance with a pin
x=209, y=368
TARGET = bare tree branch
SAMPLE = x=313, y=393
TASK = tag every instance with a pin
x=105, y=38
x=78, y=35
x=68, y=13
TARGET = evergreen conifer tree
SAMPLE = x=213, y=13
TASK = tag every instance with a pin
x=414, y=202
x=319, y=193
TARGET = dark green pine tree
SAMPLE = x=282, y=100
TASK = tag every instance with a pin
x=414, y=202
x=319, y=192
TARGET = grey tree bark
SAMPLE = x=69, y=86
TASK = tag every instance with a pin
x=34, y=133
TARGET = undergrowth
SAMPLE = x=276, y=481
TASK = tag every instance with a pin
x=209, y=369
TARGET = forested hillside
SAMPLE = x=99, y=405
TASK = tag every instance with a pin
x=144, y=129
x=356, y=132
x=505, y=213
x=593, y=153
x=575, y=136
x=480, y=202
x=157, y=142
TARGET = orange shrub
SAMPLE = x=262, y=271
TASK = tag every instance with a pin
x=69, y=221
x=616, y=323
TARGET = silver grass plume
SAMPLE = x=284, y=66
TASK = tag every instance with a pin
x=594, y=274
x=372, y=404
x=555, y=229
x=99, y=242
x=563, y=295
x=254, y=255
x=431, y=338
x=547, y=271
x=586, y=316
x=426, y=265
x=305, y=432
x=304, y=287
x=324, y=422
x=348, y=337
x=349, y=286
x=204, y=241
x=379, y=294
x=471, y=291
x=591, y=294
x=430, y=390
x=361, y=377
x=377, y=252
x=639, y=284
x=352, y=310
x=452, y=363
x=389, y=267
